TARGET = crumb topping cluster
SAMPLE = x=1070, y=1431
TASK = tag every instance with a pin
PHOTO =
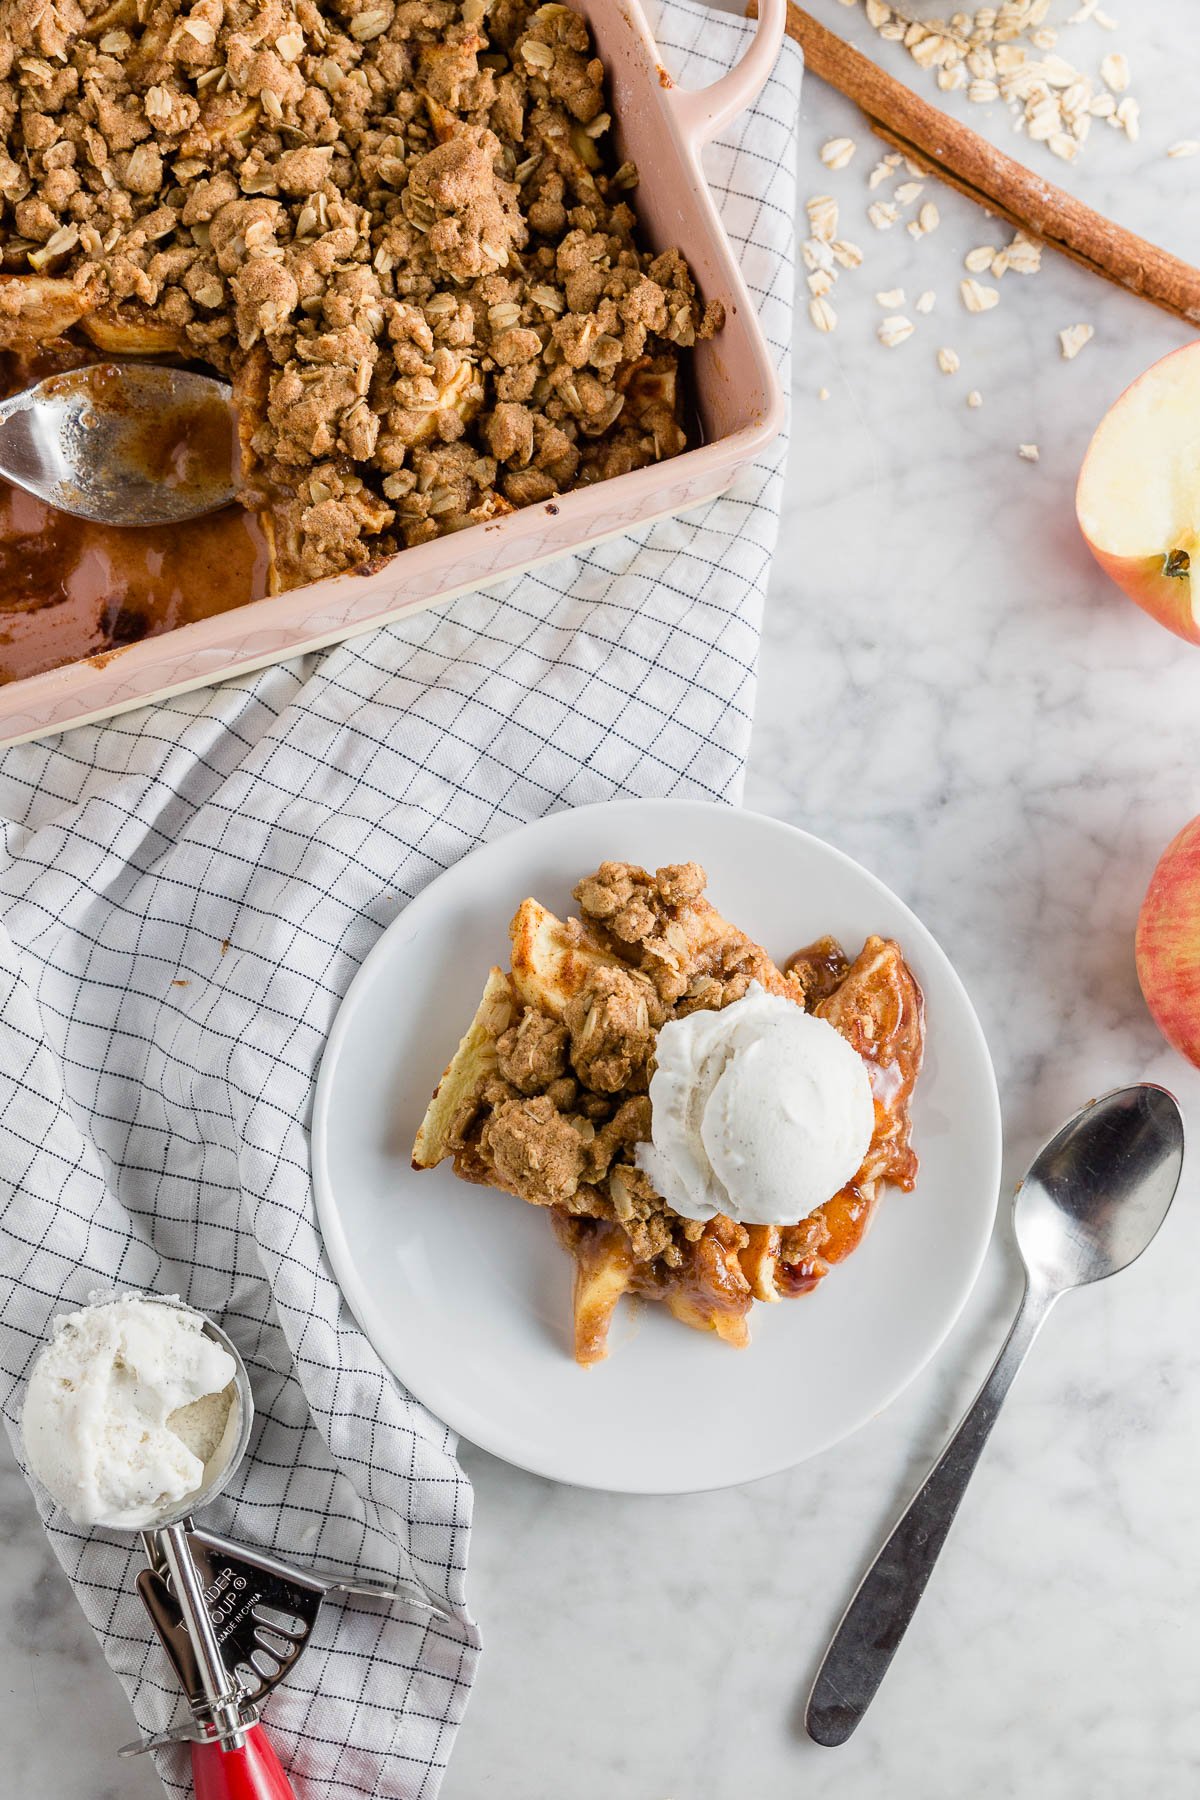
x=559, y=1120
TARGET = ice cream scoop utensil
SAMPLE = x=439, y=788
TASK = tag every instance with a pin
x=263, y=1610
x=1090, y=1203
x=233, y=1623
x=232, y=1626
x=231, y=1757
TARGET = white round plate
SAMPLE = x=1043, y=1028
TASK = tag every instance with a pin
x=464, y=1291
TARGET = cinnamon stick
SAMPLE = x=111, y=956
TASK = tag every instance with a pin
x=967, y=162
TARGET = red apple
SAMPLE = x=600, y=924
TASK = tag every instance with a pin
x=1168, y=943
x=1138, y=498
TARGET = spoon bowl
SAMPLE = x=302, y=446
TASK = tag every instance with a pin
x=223, y=1465
x=123, y=443
x=1092, y=1200
x=1096, y=1194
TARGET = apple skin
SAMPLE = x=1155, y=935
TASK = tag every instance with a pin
x=1167, y=945
x=1167, y=598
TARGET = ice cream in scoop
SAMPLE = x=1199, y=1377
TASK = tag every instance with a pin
x=126, y=1406
x=760, y=1111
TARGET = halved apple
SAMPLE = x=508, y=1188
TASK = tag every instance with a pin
x=1167, y=946
x=1138, y=498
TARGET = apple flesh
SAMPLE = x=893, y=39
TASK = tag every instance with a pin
x=1138, y=498
x=1167, y=946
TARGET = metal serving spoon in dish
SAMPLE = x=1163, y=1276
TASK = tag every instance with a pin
x=123, y=443
x=1090, y=1203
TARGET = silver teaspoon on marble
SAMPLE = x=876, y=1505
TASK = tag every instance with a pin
x=123, y=443
x=1090, y=1203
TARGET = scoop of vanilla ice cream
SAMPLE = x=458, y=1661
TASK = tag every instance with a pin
x=760, y=1111
x=125, y=1405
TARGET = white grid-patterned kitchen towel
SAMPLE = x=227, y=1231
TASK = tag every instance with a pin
x=186, y=893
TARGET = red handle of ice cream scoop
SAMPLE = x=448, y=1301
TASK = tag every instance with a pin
x=251, y=1773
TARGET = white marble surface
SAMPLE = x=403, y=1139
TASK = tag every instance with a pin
x=955, y=695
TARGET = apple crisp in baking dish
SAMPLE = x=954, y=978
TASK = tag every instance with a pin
x=397, y=228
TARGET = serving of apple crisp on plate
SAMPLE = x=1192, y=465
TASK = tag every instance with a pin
x=705, y=1126
x=397, y=226
x=650, y=1048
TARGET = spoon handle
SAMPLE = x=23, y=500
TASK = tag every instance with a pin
x=877, y=1617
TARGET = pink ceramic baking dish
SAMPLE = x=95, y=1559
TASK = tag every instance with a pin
x=664, y=129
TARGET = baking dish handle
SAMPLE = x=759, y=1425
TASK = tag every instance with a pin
x=702, y=112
